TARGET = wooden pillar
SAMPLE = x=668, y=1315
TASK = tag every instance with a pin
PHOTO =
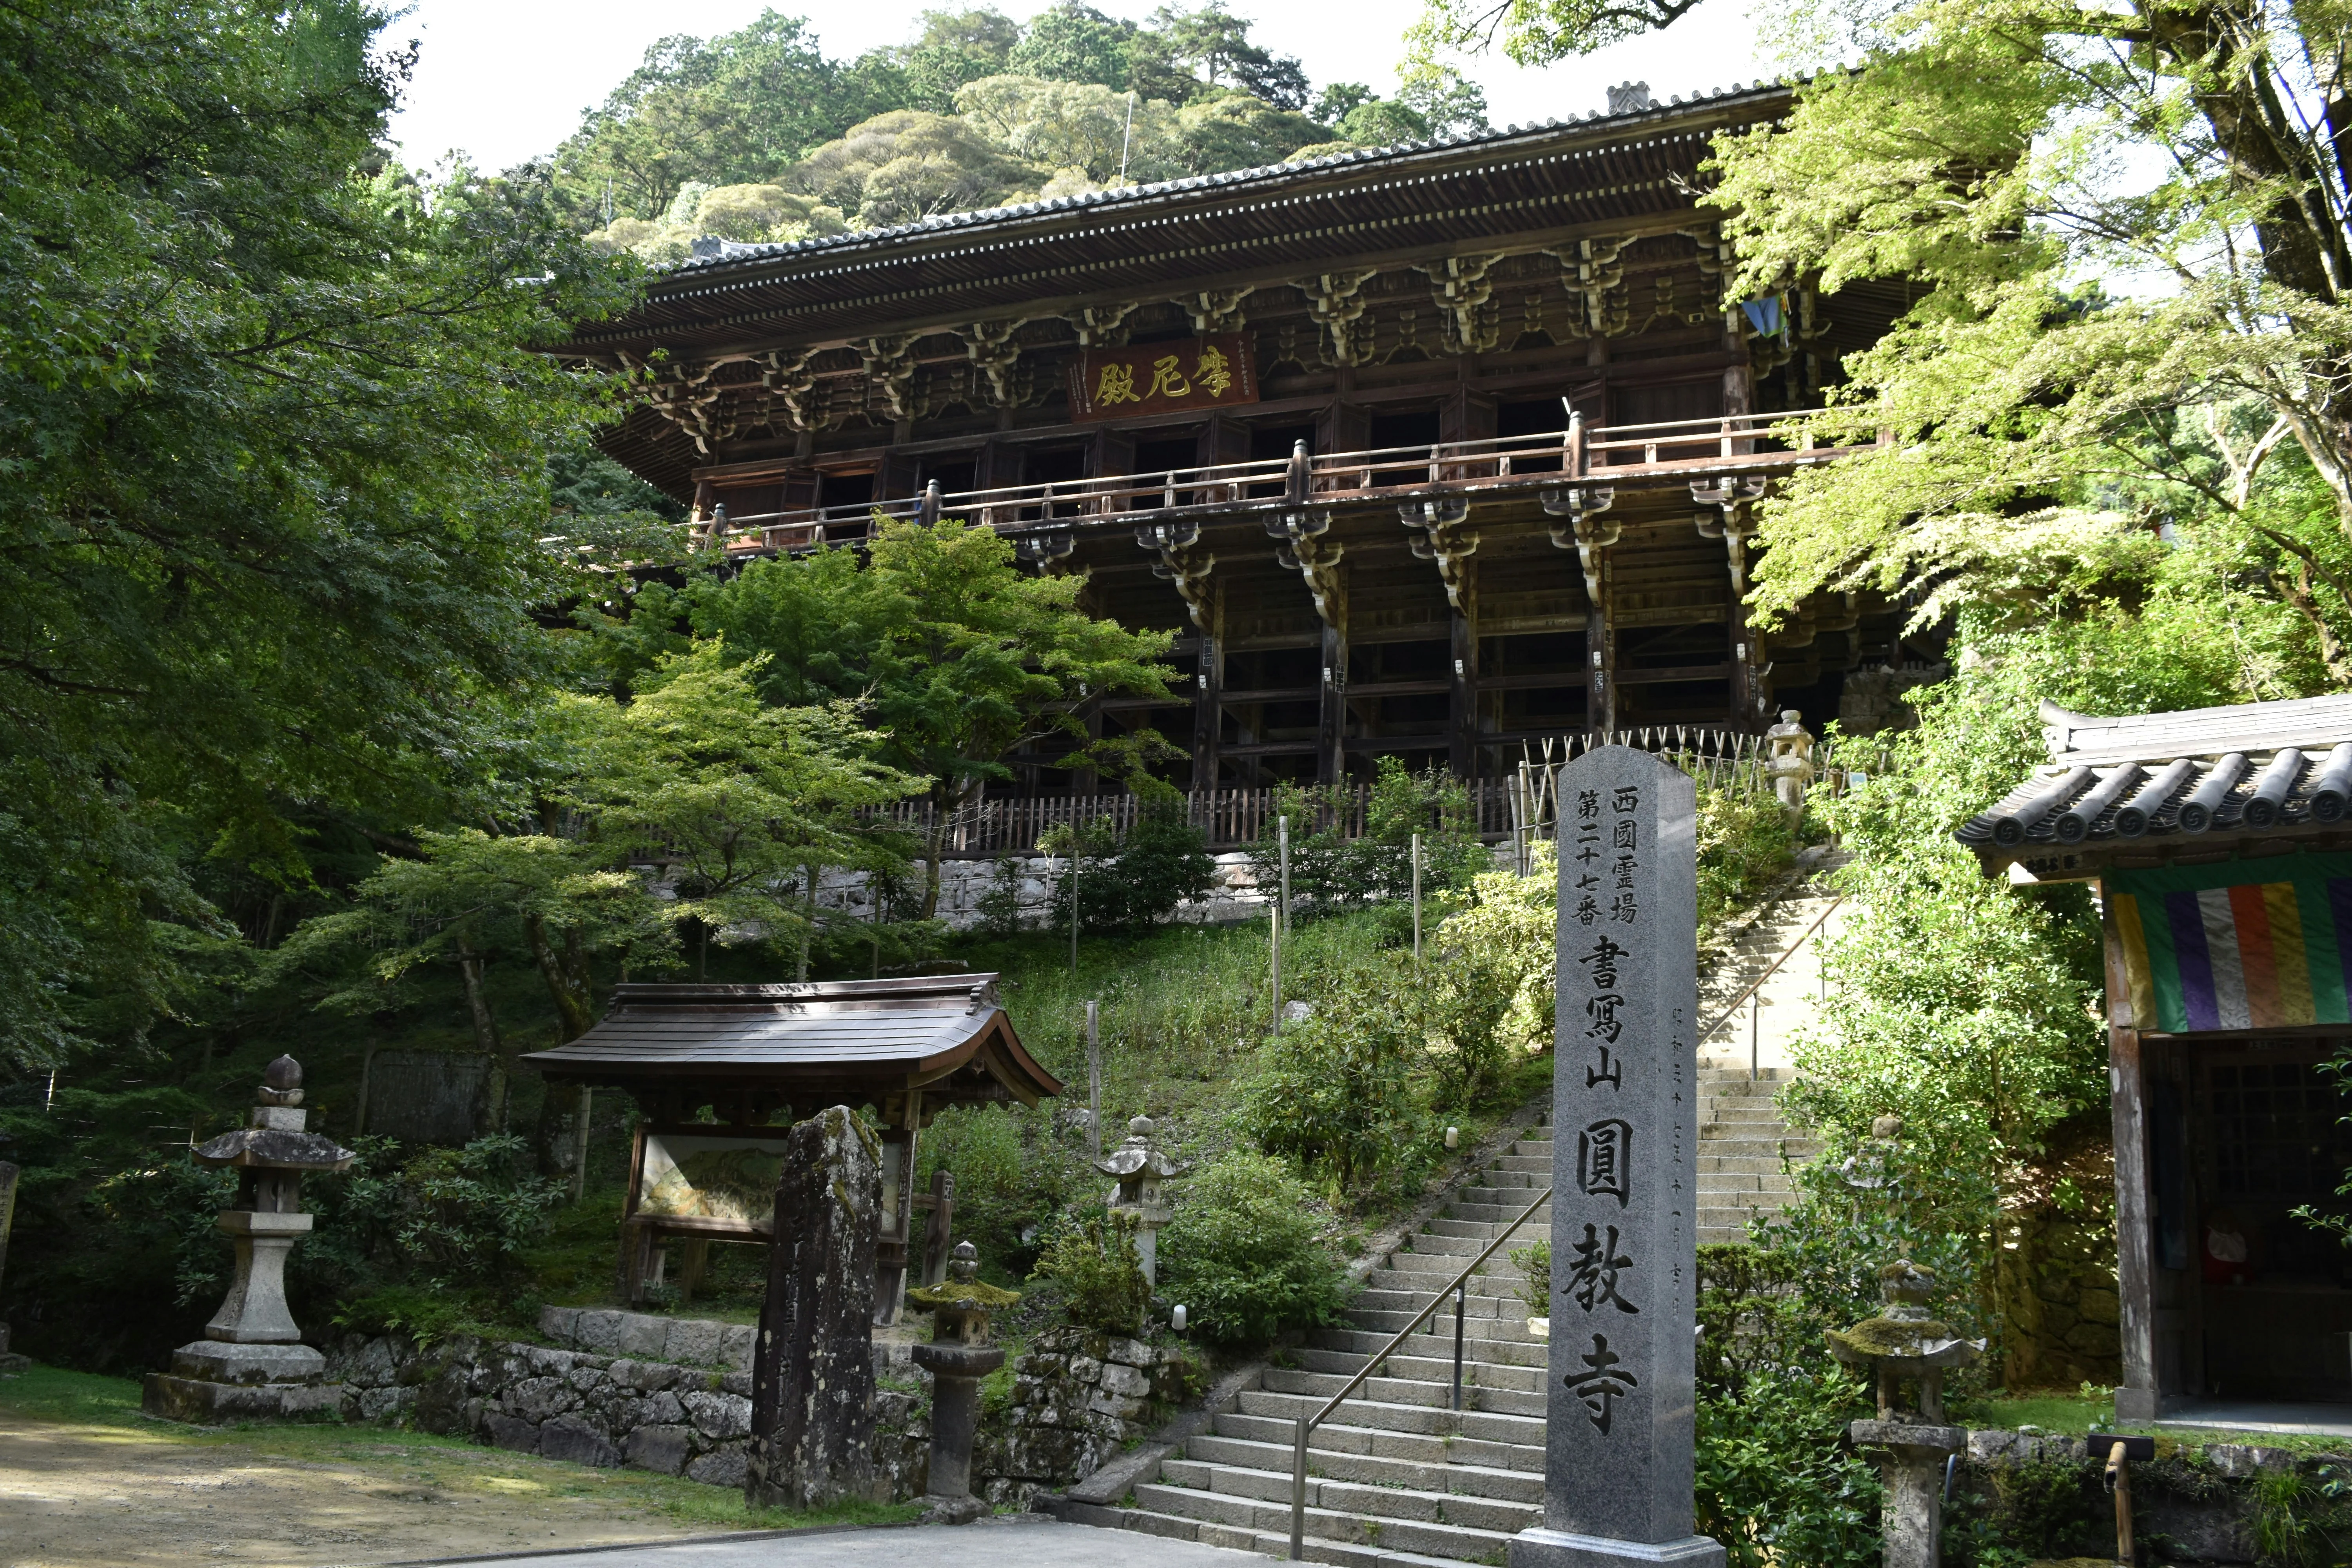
x=1601, y=653
x=894, y=1224
x=2137, y=1398
x=1331, y=731
x=1208, y=693
x=1462, y=696
x=1746, y=657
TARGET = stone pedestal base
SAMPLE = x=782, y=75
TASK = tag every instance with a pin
x=1911, y=1463
x=1541, y=1548
x=208, y=1404
x=962, y=1509
x=10, y=1362
x=956, y=1372
x=2135, y=1405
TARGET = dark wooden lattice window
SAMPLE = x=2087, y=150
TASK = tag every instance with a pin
x=2276, y=1131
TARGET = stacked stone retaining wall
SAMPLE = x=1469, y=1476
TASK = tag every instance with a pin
x=673, y=1395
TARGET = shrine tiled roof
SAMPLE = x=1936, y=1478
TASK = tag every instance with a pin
x=838, y=1037
x=2252, y=770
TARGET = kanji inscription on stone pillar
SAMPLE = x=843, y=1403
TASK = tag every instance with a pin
x=1618, y=1475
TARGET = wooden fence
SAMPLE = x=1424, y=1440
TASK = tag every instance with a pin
x=1518, y=807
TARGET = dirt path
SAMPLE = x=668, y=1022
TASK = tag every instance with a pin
x=95, y=1496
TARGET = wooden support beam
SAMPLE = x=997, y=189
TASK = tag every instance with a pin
x=1462, y=697
x=1331, y=730
x=1208, y=692
x=2138, y=1398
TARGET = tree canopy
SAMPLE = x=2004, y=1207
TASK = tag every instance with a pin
x=758, y=135
x=230, y=583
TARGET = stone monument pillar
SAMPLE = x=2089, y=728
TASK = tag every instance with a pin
x=1618, y=1468
x=958, y=1357
x=9, y=1360
x=251, y=1362
x=1907, y=1344
x=812, y=1363
x=1139, y=1169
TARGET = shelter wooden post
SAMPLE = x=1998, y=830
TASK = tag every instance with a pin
x=2137, y=1397
x=893, y=1246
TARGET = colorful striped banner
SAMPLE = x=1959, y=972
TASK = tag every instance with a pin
x=2240, y=944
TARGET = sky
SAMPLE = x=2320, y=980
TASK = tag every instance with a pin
x=503, y=80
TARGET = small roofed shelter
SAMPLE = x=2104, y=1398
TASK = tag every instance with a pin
x=2221, y=847
x=721, y=1071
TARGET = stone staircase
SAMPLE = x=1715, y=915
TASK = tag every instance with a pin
x=1742, y=1138
x=1396, y=1476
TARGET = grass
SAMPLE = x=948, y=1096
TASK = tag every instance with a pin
x=2062, y=1415
x=88, y=1399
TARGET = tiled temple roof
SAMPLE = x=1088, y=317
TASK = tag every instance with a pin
x=2252, y=770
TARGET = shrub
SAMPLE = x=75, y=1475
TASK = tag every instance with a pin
x=1535, y=1261
x=1163, y=861
x=454, y=1216
x=1335, y=1094
x=1093, y=1259
x=1246, y=1254
x=1330, y=870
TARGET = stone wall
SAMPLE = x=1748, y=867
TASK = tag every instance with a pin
x=2056, y=1271
x=1234, y=892
x=1076, y=1399
x=2043, y=1496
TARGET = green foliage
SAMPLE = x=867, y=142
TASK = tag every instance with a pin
x=1331, y=870
x=1534, y=1261
x=2301, y=1519
x=1092, y=1258
x=228, y=584
x=1161, y=862
x=1247, y=1253
x=452, y=1219
x=1775, y=1481
x=1334, y=1093
x=1745, y=842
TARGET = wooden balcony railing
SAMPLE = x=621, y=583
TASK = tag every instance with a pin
x=1745, y=443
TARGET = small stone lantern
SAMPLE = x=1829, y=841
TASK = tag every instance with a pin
x=958, y=1357
x=1138, y=1168
x=251, y=1361
x=1788, y=761
x=1906, y=1344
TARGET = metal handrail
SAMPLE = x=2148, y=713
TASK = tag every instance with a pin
x=1758, y=984
x=1306, y=1423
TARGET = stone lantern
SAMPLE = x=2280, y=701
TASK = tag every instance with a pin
x=251, y=1361
x=1138, y=1168
x=1788, y=761
x=958, y=1357
x=1905, y=1344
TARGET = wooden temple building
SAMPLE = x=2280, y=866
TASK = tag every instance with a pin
x=2221, y=847
x=1434, y=452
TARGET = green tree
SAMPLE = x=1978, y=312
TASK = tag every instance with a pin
x=952, y=48
x=229, y=583
x=1977, y=155
x=1075, y=42
x=909, y=164
x=741, y=801
x=959, y=656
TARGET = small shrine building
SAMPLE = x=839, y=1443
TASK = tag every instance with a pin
x=2219, y=842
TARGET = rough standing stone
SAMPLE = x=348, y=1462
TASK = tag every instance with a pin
x=812, y=1376
x=1619, y=1451
x=8, y=1359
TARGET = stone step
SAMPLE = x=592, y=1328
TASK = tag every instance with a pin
x=1432, y=1536
x=1437, y=1472
x=1439, y=1344
x=1408, y=1391
x=1336, y=1438
x=1365, y=1499
x=1502, y=1214
x=1430, y=1420
x=1501, y=1321
x=1438, y=1369
x=1238, y=1538
x=1538, y=1164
